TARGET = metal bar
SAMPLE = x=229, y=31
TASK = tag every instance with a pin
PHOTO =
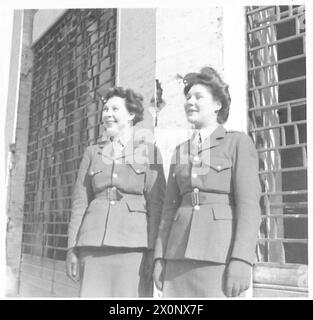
x=280, y=288
x=292, y=169
x=304, y=156
x=285, y=216
x=289, y=118
x=275, y=23
x=46, y=234
x=290, y=146
x=305, y=241
x=278, y=126
x=296, y=133
x=266, y=65
x=289, y=205
x=283, y=136
x=284, y=193
x=269, y=44
x=292, y=103
x=46, y=222
x=46, y=246
x=263, y=8
x=277, y=83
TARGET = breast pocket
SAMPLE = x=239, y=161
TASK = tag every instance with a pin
x=219, y=173
x=135, y=177
x=137, y=168
x=100, y=174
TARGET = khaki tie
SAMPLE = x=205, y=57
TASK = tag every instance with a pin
x=199, y=142
x=196, y=143
x=117, y=147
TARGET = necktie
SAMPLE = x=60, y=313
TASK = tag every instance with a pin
x=199, y=142
x=117, y=147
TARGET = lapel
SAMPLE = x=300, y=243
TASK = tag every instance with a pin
x=214, y=139
x=210, y=142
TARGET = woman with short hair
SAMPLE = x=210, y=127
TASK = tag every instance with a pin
x=116, y=205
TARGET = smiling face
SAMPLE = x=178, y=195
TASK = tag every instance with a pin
x=201, y=106
x=115, y=116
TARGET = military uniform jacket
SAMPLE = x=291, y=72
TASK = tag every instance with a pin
x=133, y=220
x=226, y=225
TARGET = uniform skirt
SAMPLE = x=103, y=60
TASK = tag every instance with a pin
x=113, y=272
x=191, y=278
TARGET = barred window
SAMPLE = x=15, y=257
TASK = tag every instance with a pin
x=276, y=61
x=74, y=58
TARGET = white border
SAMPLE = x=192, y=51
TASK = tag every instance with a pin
x=6, y=20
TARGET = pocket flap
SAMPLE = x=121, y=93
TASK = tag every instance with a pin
x=138, y=168
x=220, y=164
x=222, y=212
x=136, y=205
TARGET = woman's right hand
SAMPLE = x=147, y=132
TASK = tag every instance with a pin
x=72, y=265
x=158, y=273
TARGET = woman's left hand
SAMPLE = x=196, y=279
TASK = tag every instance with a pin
x=149, y=260
x=238, y=276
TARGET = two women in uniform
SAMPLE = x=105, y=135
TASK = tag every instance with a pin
x=204, y=241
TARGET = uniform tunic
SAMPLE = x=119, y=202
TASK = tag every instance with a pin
x=199, y=235
x=116, y=209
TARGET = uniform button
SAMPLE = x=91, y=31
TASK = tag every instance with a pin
x=174, y=175
x=196, y=207
x=112, y=202
x=196, y=158
x=194, y=175
x=114, y=175
x=117, y=161
x=219, y=167
x=174, y=201
x=92, y=173
x=138, y=171
x=113, y=188
x=196, y=190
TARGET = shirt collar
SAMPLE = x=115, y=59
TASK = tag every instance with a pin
x=122, y=139
x=204, y=133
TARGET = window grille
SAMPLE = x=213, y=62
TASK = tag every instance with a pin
x=74, y=58
x=276, y=61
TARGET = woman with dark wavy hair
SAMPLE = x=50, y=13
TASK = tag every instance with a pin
x=116, y=205
x=207, y=235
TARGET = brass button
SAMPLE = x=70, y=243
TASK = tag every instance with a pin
x=194, y=175
x=113, y=188
x=114, y=175
x=196, y=158
x=117, y=161
x=196, y=207
x=196, y=190
x=92, y=173
x=112, y=202
x=219, y=167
